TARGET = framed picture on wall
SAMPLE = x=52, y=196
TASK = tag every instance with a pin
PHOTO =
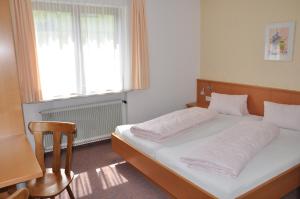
x=279, y=40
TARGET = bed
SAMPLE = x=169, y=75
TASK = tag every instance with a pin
x=264, y=176
x=207, y=129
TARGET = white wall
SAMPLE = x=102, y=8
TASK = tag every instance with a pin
x=174, y=39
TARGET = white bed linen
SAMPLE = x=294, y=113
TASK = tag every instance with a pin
x=228, y=152
x=172, y=124
x=203, y=130
x=282, y=154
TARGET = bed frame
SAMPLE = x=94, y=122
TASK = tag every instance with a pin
x=180, y=187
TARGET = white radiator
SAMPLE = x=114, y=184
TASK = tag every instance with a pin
x=94, y=122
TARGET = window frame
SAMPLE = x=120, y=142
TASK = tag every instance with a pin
x=74, y=10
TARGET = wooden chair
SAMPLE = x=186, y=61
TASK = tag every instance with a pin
x=20, y=194
x=55, y=179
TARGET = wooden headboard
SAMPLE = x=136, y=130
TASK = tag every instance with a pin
x=256, y=94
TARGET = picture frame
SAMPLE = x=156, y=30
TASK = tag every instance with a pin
x=279, y=41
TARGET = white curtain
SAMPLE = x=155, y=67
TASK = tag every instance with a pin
x=82, y=46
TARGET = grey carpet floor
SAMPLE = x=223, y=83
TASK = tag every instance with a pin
x=100, y=173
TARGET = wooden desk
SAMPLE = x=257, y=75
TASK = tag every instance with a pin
x=17, y=161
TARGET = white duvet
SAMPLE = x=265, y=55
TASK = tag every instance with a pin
x=171, y=124
x=229, y=151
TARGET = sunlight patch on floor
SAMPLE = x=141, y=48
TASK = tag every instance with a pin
x=110, y=177
x=81, y=185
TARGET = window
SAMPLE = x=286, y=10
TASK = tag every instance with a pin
x=82, y=47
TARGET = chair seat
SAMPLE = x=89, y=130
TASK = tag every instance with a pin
x=51, y=184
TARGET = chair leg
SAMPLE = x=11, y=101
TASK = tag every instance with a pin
x=70, y=192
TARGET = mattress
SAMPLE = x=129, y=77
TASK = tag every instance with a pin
x=203, y=130
x=282, y=154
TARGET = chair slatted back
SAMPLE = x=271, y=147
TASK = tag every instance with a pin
x=39, y=128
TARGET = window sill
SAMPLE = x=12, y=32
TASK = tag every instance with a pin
x=80, y=97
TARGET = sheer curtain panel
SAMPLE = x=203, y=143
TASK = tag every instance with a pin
x=83, y=46
x=24, y=38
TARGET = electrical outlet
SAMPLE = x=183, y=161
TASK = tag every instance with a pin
x=207, y=98
x=209, y=88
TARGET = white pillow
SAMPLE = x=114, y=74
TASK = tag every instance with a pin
x=229, y=104
x=282, y=115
